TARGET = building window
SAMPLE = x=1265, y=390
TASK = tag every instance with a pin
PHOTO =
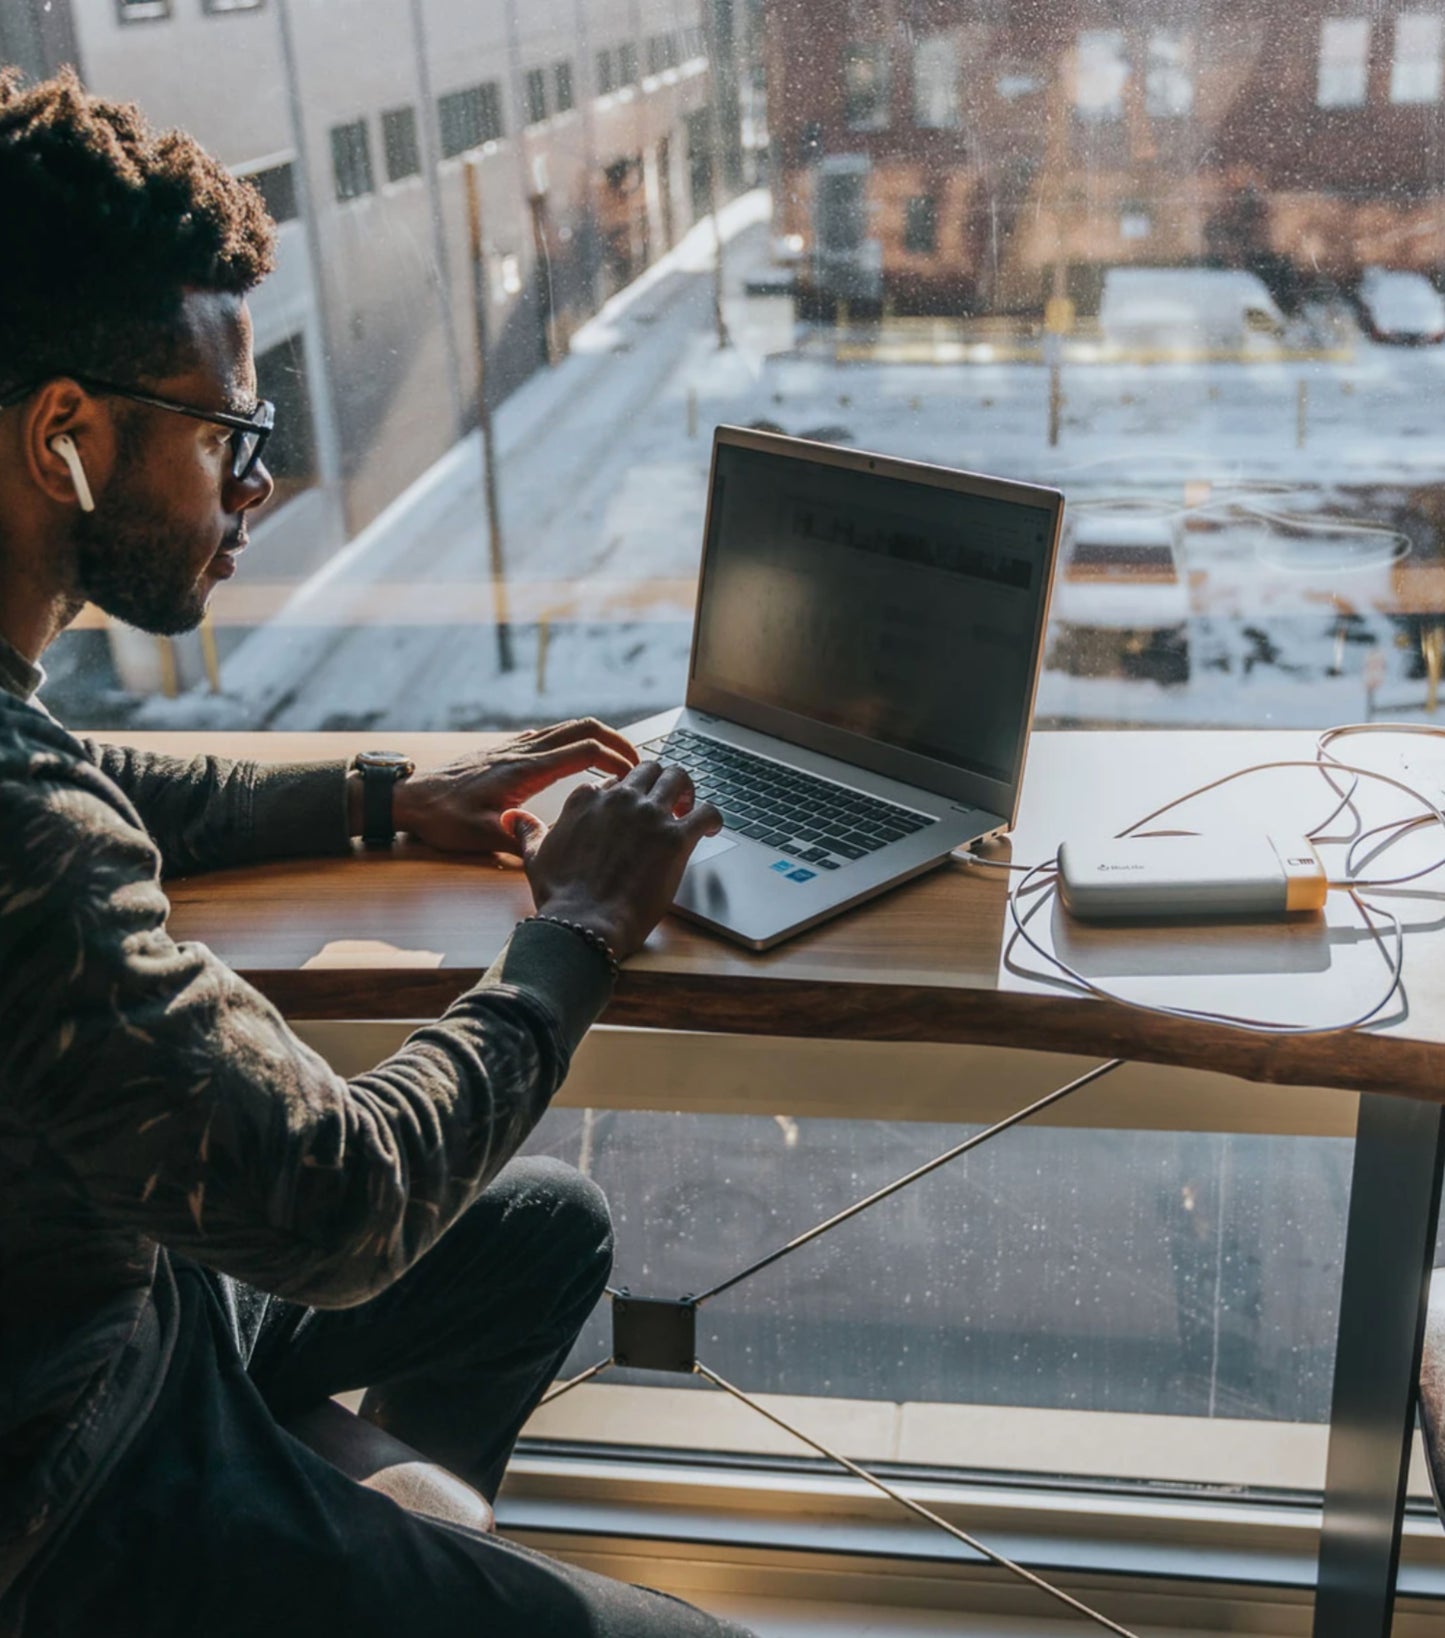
x=1135, y=223
x=671, y=56
x=865, y=86
x=920, y=226
x=1169, y=74
x=605, y=80
x=351, y=160
x=562, y=86
x=459, y=117
x=140, y=11
x=493, y=127
x=291, y=450
x=469, y=117
x=399, y=142
x=1344, y=62
x=1100, y=74
x=654, y=54
x=277, y=187
x=216, y=6
x=1415, y=72
x=627, y=63
x=935, y=82
x=536, y=88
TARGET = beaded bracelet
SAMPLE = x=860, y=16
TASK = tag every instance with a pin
x=595, y=939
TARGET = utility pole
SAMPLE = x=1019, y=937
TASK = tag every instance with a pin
x=714, y=164
x=481, y=296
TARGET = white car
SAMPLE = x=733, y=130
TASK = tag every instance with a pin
x=1400, y=307
x=1188, y=309
x=1121, y=601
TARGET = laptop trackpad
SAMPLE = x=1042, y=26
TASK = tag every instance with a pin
x=709, y=848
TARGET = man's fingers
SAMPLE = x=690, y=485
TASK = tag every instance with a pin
x=584, y=728
x=673, y=788
x=703, y=820
x=548, y=766
x=644, y=776
x=526, y=830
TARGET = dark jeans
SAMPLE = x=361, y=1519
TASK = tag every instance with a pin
x=217, y=1522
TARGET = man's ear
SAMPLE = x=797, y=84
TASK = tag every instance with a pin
x=68, y=444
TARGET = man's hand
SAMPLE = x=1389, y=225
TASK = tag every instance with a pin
x=458, y=808
x=614, y=858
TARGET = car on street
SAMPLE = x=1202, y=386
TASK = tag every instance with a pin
x=1400, y=307
x=1189, y=310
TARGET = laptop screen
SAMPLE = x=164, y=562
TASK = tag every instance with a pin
x=901, y=611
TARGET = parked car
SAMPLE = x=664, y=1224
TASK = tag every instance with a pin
x=1121, y=602
x=1188, y=309
x=1400, y=307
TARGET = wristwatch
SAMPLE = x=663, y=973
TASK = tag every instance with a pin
x=380, y=771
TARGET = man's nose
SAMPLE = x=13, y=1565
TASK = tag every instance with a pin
x=255, y=488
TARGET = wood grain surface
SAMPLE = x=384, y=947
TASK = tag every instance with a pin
x=401, y=935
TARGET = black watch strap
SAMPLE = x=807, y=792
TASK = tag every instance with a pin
x=380, y=773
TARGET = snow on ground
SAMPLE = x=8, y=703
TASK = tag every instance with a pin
x=1300, y=520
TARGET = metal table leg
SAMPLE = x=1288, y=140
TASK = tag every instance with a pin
x=1389, y=1252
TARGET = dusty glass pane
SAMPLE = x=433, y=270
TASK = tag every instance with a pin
x=1158, y=1273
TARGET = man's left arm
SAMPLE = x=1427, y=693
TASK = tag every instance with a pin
x=208, y=812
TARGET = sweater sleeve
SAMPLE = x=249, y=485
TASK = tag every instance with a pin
x=181, y=1106
x=209, y=812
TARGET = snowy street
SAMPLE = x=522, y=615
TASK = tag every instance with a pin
x=1304, y=492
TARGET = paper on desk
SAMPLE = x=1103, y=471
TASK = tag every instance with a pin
x=370, y=952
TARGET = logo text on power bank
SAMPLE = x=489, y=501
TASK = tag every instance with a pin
x=1121, y=867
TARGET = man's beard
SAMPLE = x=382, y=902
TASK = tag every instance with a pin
x=133, y=562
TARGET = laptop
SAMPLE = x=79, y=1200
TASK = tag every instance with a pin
x=865, y=653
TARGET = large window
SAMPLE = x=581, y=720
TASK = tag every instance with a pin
x=1185, y=262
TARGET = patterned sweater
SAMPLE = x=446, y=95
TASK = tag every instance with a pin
x=150, y=1100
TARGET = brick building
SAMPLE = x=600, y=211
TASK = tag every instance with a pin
x=979, y=155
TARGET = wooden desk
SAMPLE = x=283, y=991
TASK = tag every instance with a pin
x=929, y=963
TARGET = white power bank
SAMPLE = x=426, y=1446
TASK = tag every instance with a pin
x=1234, y=873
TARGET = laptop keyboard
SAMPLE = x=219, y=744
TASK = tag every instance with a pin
x=800, y=815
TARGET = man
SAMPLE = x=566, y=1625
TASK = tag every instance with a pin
x=204, y=1231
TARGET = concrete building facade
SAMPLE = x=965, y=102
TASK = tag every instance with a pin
x=588, y=126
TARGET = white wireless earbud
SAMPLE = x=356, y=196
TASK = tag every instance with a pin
x=64, y=446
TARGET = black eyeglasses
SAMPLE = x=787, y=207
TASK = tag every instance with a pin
x=248, y=432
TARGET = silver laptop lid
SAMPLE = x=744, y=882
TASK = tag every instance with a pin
x=882, y=611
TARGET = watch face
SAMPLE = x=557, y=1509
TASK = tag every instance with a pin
x=383, y=759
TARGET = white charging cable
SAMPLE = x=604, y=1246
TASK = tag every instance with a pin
x=1040, y=882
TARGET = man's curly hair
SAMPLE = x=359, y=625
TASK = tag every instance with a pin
x=107, y=223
